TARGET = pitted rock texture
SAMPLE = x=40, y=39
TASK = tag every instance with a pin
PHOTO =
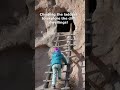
x=45, y=36
x=16, y=43
x=21, y=31
x=107, y=33
x=107, y=38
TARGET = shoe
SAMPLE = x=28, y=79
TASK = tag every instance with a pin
x=59, y=78
x=53, y=87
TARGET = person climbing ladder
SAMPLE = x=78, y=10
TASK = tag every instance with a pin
x=56, y=63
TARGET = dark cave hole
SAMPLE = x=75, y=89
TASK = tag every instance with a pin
x=92, y=6
x=65, y=27
x=16, y=71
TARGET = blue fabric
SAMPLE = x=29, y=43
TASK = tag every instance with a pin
x=58, y=58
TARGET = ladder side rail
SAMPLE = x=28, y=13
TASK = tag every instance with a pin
x=48, y=77
x=68, y=57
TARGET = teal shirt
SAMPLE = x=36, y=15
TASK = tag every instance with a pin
x=58, y=58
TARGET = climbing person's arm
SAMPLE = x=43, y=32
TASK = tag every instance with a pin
x=51, y=61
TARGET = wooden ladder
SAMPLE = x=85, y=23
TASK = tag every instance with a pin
x=69, y=45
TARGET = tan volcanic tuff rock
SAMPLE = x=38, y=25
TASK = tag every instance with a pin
x=45, y=33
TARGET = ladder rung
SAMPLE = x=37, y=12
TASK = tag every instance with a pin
x=47, y=80
x=51, y=80
x=88, y=44
x=50, y=65
x=67, y=51
x=65, y=35
x=65, y=88
x=52, y=72
x=64, y=40
x=65, y=45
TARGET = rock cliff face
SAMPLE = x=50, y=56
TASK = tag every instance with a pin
x=16, y=43
x=107, y=33
x=45, y=34
x=107, y=39
x=17, y=27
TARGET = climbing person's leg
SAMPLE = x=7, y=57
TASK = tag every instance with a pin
x=54, y=75
x=59, y=71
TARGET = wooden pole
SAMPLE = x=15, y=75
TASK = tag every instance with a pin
x=48, y=77
x=69, y=62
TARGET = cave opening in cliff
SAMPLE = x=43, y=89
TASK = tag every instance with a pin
x=92, y=6
x=67, y=20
